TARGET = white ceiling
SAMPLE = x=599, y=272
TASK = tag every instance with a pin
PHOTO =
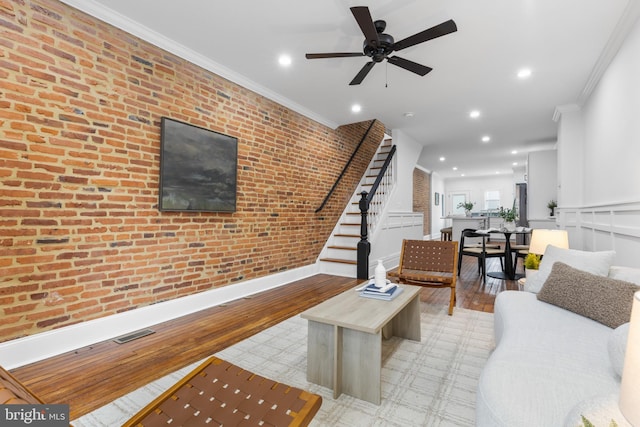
x=473, y=68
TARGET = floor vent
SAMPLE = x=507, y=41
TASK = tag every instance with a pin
x=133, y=336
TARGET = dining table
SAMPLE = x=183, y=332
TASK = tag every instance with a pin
x=509, y=272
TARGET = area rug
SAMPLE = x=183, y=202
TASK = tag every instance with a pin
x=428, y=383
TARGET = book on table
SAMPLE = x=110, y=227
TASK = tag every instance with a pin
x=387, y=292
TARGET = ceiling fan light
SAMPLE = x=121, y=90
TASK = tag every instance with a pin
x=378, y=45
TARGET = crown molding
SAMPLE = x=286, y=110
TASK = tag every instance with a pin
x=130, y=26
x=624, y=26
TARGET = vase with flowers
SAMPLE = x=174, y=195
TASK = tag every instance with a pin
x=467, y=206
x=509, y=215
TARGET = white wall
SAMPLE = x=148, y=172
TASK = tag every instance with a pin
x=437, y=222
x=542, y=184
x=477, y=186
x=612, y=129
x=407, y=154
x=598, y=154
x=570, y=156
x=519, y=174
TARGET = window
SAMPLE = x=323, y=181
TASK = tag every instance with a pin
x=491, y=200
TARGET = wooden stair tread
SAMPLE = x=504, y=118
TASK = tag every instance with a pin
x=373, y=171
x=340, y=261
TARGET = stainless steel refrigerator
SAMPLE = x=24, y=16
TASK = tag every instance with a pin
x=521, y=206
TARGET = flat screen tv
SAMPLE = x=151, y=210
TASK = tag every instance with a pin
x=198, y=169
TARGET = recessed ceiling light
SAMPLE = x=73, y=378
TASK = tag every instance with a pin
x=486, y=138
x=284, y=60
x=455, y=168
x=474, y=114
x=515, y=163
x=514, y=152
x=356, y=108
x=524, y=73
x=442, y=159
x=461, y=174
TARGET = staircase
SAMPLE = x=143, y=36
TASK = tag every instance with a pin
x=339, y=256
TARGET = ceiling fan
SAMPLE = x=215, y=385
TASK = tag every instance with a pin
x=378, y=45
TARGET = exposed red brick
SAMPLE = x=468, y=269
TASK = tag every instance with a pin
x=422, y=197
x=80, y=164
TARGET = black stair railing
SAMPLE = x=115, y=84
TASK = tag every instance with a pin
x=364, y=246
x=344, y=170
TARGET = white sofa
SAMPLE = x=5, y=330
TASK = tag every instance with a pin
x=550, y=362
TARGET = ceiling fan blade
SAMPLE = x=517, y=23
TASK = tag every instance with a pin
x=333, y=55
x=414, y=67
x=363, y=17
x=440, y=30
x=362, y=74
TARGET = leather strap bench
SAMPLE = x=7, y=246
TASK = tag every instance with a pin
x=13, y=392
x=219, y=393
x=215, y=393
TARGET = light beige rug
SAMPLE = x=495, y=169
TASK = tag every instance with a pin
x=427, y=383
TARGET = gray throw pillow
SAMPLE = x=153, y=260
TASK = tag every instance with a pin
x=591, y=262
x=602, y=299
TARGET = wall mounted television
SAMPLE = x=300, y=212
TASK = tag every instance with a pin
x=198, y=169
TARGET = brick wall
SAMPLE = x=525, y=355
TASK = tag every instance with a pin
x=81, y=236
x=422, y=197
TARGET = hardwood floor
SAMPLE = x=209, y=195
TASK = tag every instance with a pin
x=93, y=376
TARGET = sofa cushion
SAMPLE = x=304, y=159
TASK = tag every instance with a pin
x=602, y=299
x=546, y=360
x=627, y=274
x=618, y=347
x=592, y=262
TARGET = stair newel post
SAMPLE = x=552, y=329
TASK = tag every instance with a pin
x=364, y=247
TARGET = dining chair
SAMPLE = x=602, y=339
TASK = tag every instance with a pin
x=487, y=244
x=478, y=244
x=520, y=250
x=480, y=251
x=428, y=263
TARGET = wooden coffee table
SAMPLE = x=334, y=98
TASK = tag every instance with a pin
x=344, y=349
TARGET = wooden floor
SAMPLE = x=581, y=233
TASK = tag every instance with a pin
x=94, y=376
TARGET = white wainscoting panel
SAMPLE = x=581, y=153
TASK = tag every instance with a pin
x=387, y=242
x=613, y=226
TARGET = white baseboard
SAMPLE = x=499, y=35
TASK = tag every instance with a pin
x=30, y=349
